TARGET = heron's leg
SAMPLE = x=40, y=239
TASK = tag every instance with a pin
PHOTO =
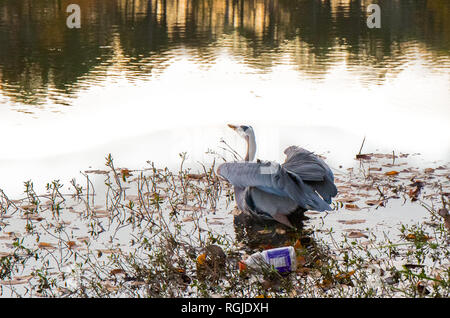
x=282, y=218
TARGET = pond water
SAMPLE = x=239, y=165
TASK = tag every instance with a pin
x=147, y=80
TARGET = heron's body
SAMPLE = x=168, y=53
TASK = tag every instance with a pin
x=269, y=190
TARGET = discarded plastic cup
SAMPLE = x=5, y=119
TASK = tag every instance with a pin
x=282, y=259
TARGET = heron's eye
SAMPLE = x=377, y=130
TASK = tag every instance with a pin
x=244, y=128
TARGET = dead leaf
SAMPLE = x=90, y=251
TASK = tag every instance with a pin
x=280, y=231
x=242, y=266
x=188, y=219
x=263, y=232
x=325, y=284
x=363, y=156
x=109, y=287
x=347, y=199
x=117, y=271
x=375, y=202
x=343, y=276
x=414, y=237
x=29, y=207
x=298, y=245
x=351, y=221
x=391, y=173
x=301, y=260
x=71, y=244
x=125, y=173
x=201, y=259
x=357, y=234
x=429, y=170
x=352, y=207
x=46, y=245
x=195, y=176
x=18, y=280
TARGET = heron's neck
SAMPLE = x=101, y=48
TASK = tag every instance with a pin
x=251, y=148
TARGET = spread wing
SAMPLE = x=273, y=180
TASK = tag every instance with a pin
x=272, y=178
x=312, y=170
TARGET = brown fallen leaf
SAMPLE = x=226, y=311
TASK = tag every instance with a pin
x=298, y=245
x=325, y=284
x=375, y=202
x=357, y=234
x=347, y=199
x=96, y=171
x=46, y=245
x=125, y=173
x=391, y=173
x=352, y=207
x=351, y=221
x=363, y=156
x=429, y=170
x=344, y=276
x=414, y=237
x=301, y=260
x=201, y=259
x=117, y=271
x=444, y=213
x=18, y=280
x=195, y=176
x=71, y=244
x=29, y=207
x=188, y=219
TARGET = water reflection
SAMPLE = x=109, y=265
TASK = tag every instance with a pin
x=41, y=61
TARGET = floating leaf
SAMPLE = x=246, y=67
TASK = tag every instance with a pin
x=391, y=173
x=415, y=237
x=298, y=245
x=195, y=176
x=342, y=276
x=301, y=260
x=188, y=219
x=325, y=284
x=242, y=266
x=71, y=244
x=347, y=199
x=375, y=202
x=201, y=259
x=352, y=207
x=117, y=271
x=357, y=234
x=19, y=280
x=363, y=156
x=46, y=245
x=351, y=221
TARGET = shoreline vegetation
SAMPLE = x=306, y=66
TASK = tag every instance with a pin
x=161, y=233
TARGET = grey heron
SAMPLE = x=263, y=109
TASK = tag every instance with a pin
x=268, y=190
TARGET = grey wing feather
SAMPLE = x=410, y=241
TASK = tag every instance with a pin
x=272, y=178
x=312, y=170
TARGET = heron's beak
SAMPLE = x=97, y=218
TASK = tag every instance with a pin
x=232, y=126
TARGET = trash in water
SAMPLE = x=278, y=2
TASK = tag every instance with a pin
x=282, y=259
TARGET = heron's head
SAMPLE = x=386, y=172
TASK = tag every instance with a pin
x=244, y=131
